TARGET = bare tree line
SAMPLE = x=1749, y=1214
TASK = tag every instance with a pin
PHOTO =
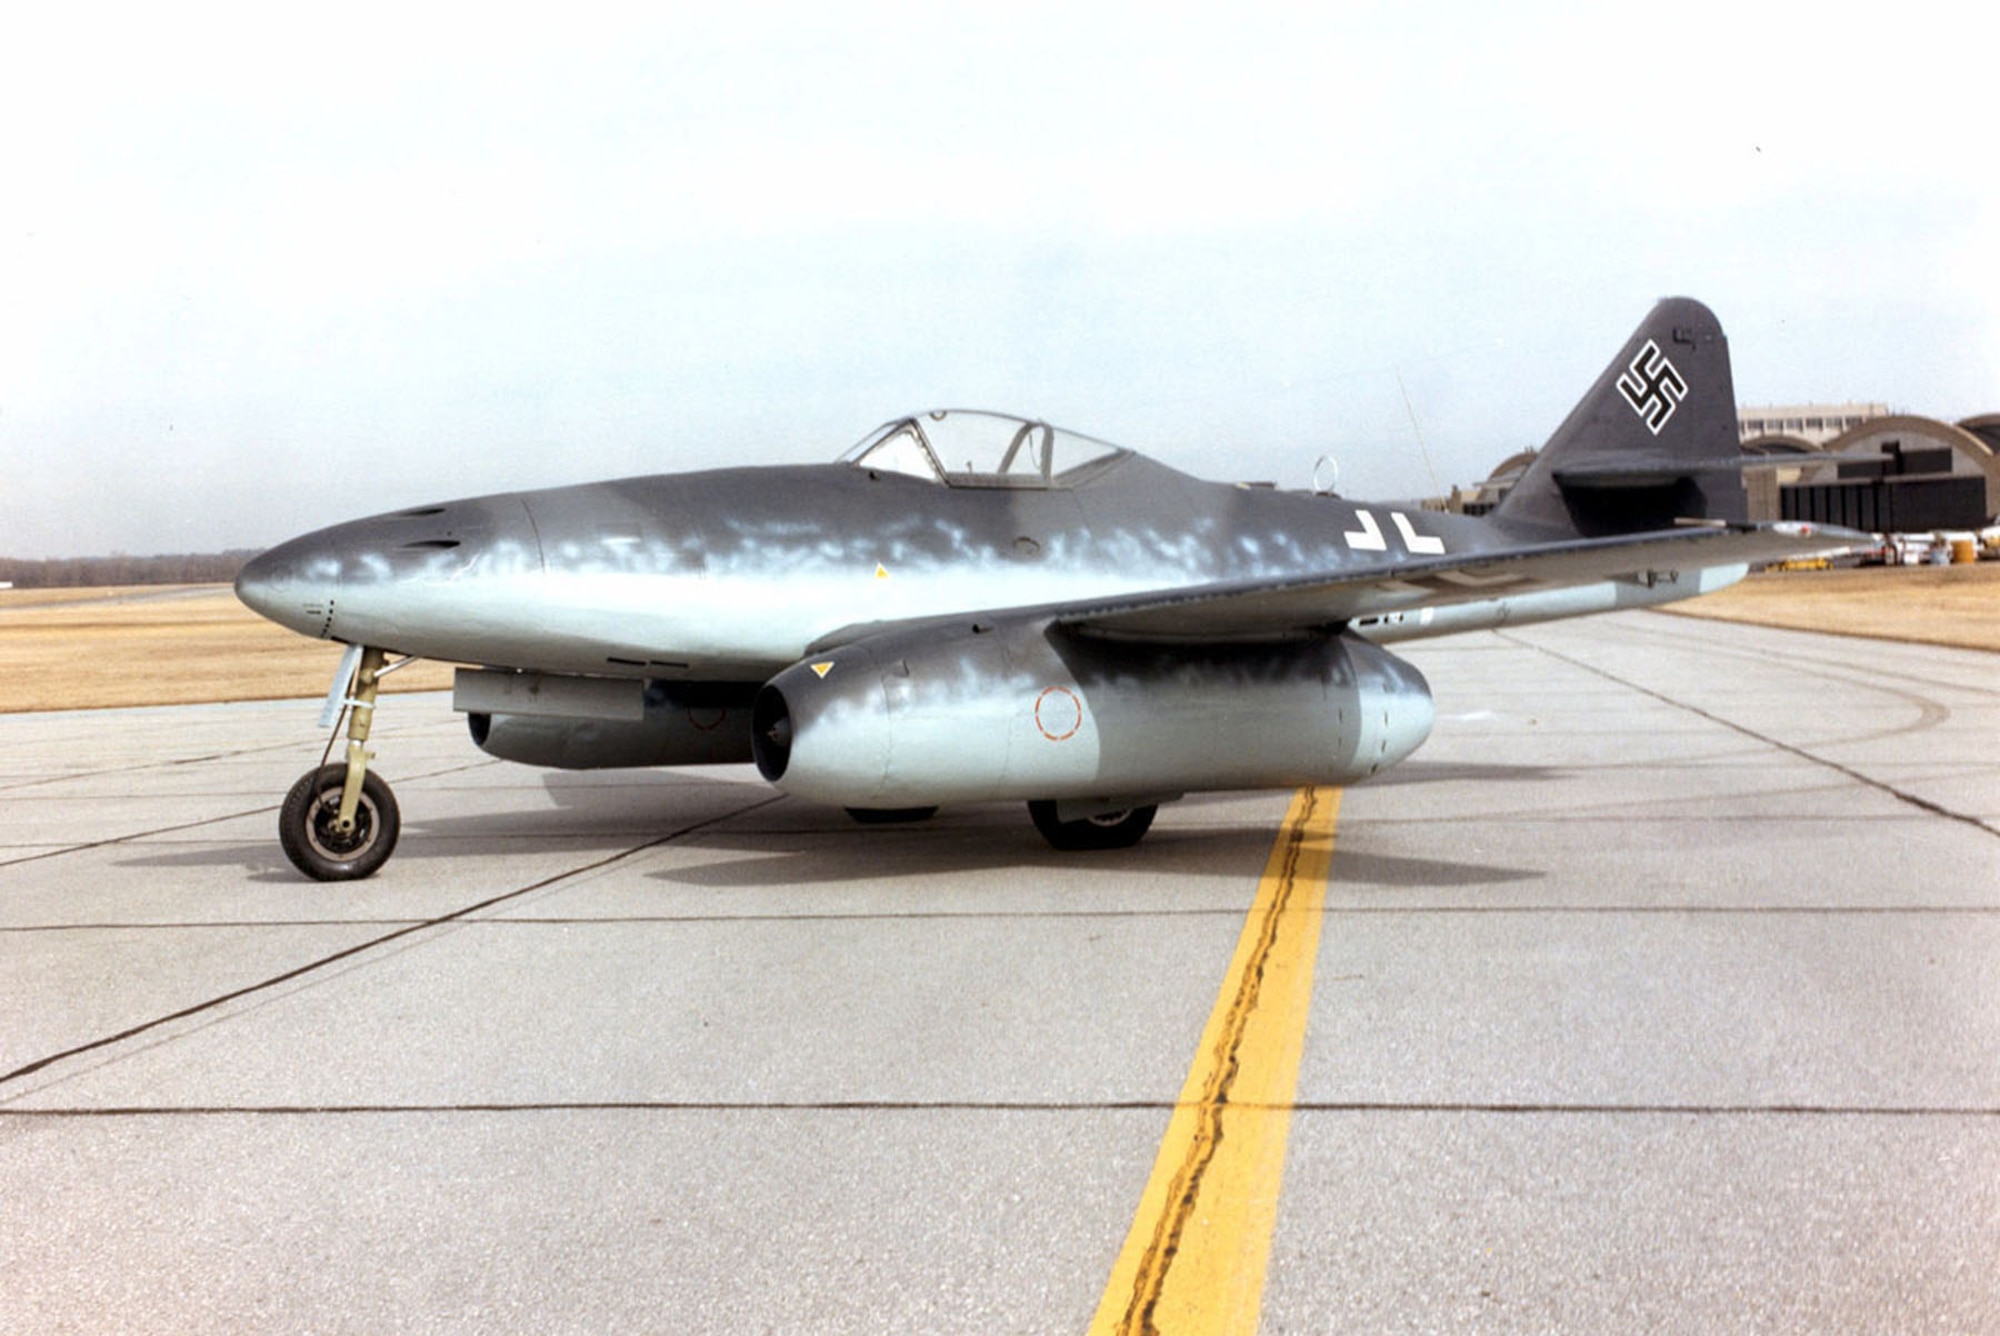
x=172, y=568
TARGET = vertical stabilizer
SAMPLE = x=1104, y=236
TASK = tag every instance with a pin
x=1652, y=443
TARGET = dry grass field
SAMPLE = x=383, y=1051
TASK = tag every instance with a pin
x=65, y=649
x=1934, y=605
x=69, y=649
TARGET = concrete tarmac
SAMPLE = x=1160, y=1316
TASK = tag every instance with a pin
x=1659, y=991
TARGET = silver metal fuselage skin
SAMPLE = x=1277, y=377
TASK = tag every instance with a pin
x=733, y=574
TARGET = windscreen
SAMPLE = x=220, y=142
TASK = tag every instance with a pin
x=963, y=448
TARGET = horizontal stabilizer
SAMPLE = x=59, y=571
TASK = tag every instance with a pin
x=1660, y=471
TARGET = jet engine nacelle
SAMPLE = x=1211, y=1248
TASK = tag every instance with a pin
x=971, y=712
x=681, y=727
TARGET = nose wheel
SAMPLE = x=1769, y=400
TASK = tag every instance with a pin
x=320, y=844
x=340, y=822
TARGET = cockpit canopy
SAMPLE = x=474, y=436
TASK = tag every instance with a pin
x=962, y=448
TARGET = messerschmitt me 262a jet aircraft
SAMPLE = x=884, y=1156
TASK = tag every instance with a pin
x=970, y=608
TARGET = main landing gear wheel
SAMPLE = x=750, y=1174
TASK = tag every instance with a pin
x=309, y=826
x=1109, y=830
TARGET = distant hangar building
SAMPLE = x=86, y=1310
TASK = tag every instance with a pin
x=1864, y=467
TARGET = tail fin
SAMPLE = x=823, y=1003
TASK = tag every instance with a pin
x=1653, y=442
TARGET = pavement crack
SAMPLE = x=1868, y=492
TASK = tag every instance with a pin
x=1930, y=710
x=374, y=943
x=136, y=835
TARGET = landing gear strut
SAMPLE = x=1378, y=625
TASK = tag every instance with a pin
x=339, y=822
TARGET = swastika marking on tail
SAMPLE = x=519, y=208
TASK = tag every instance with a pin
x=1653, y=387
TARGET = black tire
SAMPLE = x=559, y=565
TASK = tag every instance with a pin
x=890, y=816
x=305, y=826
x=1111, y=830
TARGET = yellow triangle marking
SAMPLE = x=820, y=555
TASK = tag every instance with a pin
x=823, y=668
x=881, y=571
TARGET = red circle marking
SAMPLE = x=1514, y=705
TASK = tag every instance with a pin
x=1066, y=719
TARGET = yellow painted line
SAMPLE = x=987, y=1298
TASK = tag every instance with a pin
x=1194, y=1261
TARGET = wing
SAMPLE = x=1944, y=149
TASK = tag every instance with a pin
x=1252, y=608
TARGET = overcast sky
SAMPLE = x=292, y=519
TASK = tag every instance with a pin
x=263, y=270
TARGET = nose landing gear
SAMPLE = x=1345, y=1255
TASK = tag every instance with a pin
x=340, y=822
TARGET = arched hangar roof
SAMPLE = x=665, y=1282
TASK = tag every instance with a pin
x=1958, y=438
x=1986, y=427
x=1971, y=453
x=1513, y=465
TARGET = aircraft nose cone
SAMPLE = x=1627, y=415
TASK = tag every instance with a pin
x=290, y=585
x=411, y=580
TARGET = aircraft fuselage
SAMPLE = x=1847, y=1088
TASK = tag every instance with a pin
x=732, y=574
